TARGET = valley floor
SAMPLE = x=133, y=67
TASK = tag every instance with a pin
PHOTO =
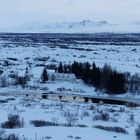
x=54, y=111
x=36, y=51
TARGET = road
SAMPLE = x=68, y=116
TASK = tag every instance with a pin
x=73, y=97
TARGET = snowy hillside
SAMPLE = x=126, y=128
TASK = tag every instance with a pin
x=84, y=26
x=65, y=27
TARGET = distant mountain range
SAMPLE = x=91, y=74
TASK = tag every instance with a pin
x=65, y=27
x=84, y=26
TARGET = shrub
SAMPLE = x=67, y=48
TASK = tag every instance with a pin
x=21, y=81
x=132, y=118
x=40, y=123
x=71, y=118
x=102, y=116
x=11, y=137
x=113, y=129
x=1, y=72
x=85, y=113
x=13, y=121
x=137, y=132
x=2, y=132
x=3, y=136
x=81, y=125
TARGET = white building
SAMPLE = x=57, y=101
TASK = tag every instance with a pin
x=69, y=77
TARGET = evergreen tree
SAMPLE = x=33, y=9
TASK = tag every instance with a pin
x=21, y=81
x=92, y=73
x=105, y=78
x=97, y=78
x=86, y=74
x=65, y=69
x=60, y=68
x=44, y=76
x=74, y=68
x=80, y=70
x=106, y=72
x=69, y=69
x=27, y=77
x=116, y=83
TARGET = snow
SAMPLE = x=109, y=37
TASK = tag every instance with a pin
x=123, y=58
x=57, y=133
x=63, y=27
x=28, y=54
x=32, y=109
x=84, y=26
x=120, y=57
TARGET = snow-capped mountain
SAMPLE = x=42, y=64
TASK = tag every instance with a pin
x=84, y=26
x=65, y=27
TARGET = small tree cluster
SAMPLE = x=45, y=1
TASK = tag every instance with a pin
x=21, y=80
x=133, y=83
x=14, y=79
x=116, y=83
x=105, y=78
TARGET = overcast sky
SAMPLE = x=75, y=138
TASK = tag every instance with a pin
x=17, y=12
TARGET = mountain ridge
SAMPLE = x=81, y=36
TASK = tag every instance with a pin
x=81, y=26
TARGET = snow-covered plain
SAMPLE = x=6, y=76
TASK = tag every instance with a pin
x=54, y=111
x=120, y=52
x=36, y=51
x=19, y=51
